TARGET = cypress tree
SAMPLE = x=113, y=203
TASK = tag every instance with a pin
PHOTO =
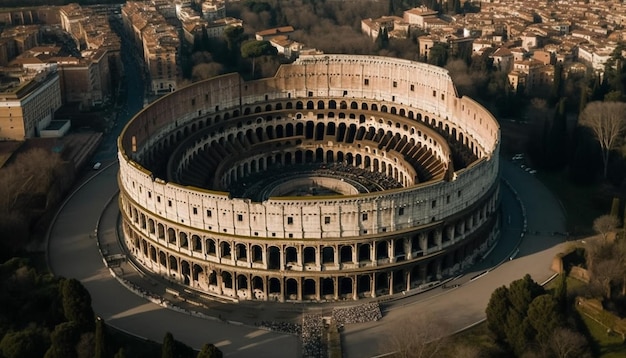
x=101, y=346
x=210, y=351
x=545, y=317
x=560, y=293
x=168, y=346
x=77, y=304
x=497, y=311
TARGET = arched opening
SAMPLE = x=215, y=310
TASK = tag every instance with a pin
x=273, y=261
x=328, y=287
x=346, y=254
x=328, y=255
x=308, y=289
x=274, y=285
x=227, y=279
x=309, y=255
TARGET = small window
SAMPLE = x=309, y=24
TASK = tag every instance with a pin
x=209, y=213
x=256, y=233
x=310, y=93
x=458, y=194
x=443, y=96
x=400, y=211
x=412, y=88
x=149, y=194
x=193, y=101
x=345, y=93
x=273, y=234
x=239, y=217
x=290, y=221
x=169, y=203
x=290, y=235
x=434, y=93
x=195, y=211
x=433, y=204
x=158, y=199
x=366, y=82
x=365, y=231
x=395, y=84
x=364, y=217
x=448, y=199
x=327, y=220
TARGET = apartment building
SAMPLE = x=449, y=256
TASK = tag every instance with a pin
x=27, y=102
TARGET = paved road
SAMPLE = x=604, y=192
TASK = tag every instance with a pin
x=460, y=307
x=73, y=253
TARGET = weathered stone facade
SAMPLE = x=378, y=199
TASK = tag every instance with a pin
x=398, y=119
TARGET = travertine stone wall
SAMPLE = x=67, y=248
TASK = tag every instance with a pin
x=461, y=208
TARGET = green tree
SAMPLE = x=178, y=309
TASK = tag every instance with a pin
x=253, y=49
x=121, y=353
x=168, y=347
x=101, y=344
x=77, y=304
x=519, y=332
x=560, y=293
x=544, y=316
x=210, y=351
x=557, y=84
x=522, y=292
x=557, y=144
x=64, y=339
x=497, y=310
x=31, y=342
x=438, y=54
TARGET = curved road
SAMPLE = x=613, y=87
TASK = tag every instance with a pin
x=73, y=252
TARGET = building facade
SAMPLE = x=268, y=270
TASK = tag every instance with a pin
x=218, y=181
x=27, y=105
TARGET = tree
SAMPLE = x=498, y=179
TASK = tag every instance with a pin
x=522, y=292
x=31, y=342
x=605, y=224
x=210, y=351
x=566, y=343
x=64, y=339
x=417, y=337
x=253, y=49
x=497, y=310
x=168, y=347
x=77, y=304
x=121, y=353
x=560, y=293
x=100, y=336
x=606, y=121
x=438, y=54
x=544, y=316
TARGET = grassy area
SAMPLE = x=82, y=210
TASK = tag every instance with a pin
x=582, y=203
x=607, y=345
x=478, y=337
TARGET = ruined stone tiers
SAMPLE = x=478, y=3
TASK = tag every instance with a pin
x=305, y=248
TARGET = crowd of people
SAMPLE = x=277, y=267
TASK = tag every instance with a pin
x=312, y=340
x=285, y=327
x=366, y=312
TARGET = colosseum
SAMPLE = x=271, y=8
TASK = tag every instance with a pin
x=340, y=178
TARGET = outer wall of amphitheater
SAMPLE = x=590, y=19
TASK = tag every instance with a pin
x=313, y=248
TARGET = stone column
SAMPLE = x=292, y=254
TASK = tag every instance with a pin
x=318, y=294
x=336, y=287
x=408, y=249
x=390, y=282
x=318, y=258
x=391, y=250
x=450, y=232
x=336, y=248
x=250, y=287
x=355, y=254
x=218, y=276
x=300, y=288
x=373, y=285
x=264, y=255
x=439, y=239
x=408, y=280
x=373, y=254
x=355, y=295
x=423, y=242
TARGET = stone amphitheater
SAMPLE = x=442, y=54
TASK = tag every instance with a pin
x=340, y=178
